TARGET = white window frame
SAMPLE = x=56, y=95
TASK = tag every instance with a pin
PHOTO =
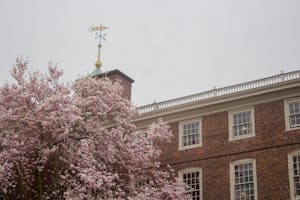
x=232, y=178
x=291, y=174
x=230, y=123
x=192, y=170
x=143, y=133
x=181, y=124
x=287, y=113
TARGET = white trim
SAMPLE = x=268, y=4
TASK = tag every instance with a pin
x=239, y=88
x=180, y=126
x=230, y=120
x=186, y=116
x=232, y=179
x=219, y=99
x=290, y=168
x=287, y=113
x=190, y=170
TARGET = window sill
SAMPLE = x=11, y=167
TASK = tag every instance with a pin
x=292, y=129
x=241, y=137
x=190, y=147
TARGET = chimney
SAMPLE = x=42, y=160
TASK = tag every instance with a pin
x=124, y=80
x=113, y=75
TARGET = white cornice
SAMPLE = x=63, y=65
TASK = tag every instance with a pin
x=223, y=99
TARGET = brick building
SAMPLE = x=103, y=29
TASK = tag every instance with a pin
x=240, y=142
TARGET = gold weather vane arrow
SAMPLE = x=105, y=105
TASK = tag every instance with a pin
x=100, y=36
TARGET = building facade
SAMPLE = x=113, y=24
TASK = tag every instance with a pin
x=240, y=142
x=236, y=143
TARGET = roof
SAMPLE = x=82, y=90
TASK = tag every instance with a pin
x=263, y=85
x=96, y=72
x=110, y=73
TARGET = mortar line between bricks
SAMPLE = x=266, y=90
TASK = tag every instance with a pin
x=229, y=154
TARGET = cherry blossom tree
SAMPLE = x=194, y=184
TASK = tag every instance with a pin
x=77, y=141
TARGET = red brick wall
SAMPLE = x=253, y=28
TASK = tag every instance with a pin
x=125, y=84
x=269, y=147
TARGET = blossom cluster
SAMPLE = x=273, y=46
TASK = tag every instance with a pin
x=77, y=141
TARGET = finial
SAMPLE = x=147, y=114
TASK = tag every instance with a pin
x=100, y=36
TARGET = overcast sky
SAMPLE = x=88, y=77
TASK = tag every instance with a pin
x=170, y=48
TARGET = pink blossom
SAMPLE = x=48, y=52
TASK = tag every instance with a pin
x=77, y=142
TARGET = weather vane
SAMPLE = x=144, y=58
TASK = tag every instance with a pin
x=99, y=35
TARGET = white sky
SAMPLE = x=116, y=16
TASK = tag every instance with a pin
x=170, y=48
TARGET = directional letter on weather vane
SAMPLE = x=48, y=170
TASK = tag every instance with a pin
x=98, y=30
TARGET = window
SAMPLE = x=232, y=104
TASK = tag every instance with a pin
x=143, y=135
x=143, y=182
x=241, y=124
x=190, y=134
x=292, y=113
x=243, y=180
x=193, y=179
x=294, y=174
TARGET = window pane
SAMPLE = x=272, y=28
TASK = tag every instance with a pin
x=244, y=183
x=192, y=179
x=294, y=114
x=191, y=134
x=296, y=177
x=242, y=124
